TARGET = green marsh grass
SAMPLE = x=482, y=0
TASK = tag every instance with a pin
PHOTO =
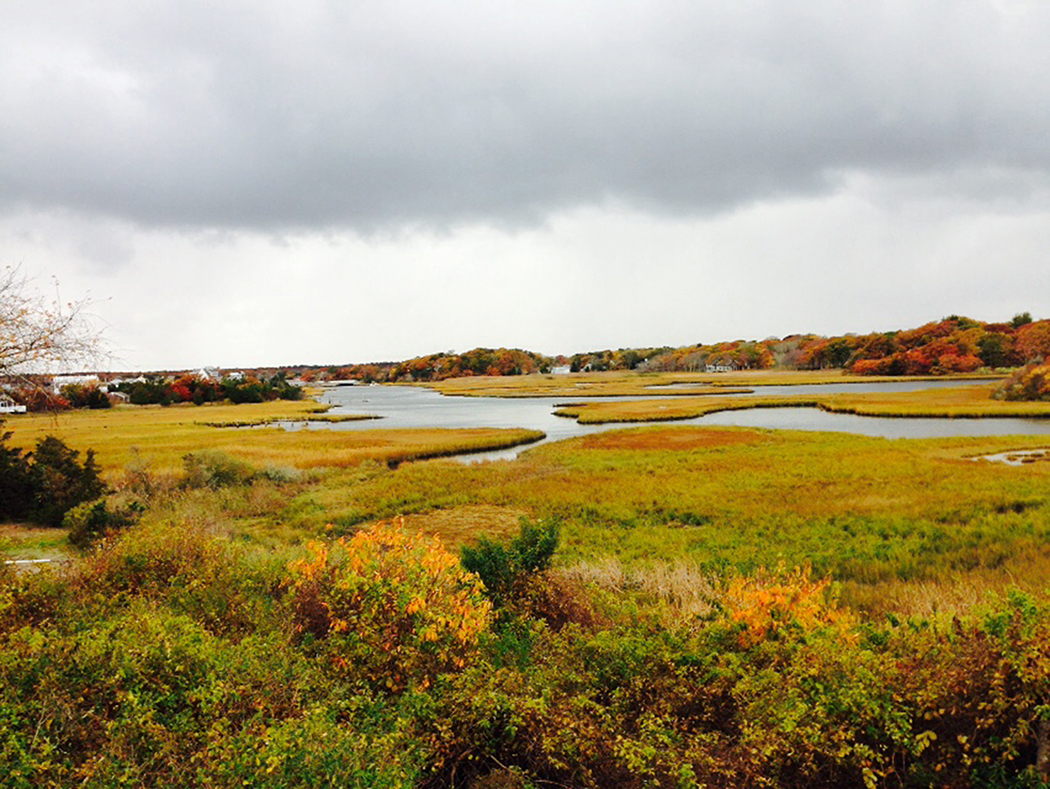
x=865, y=510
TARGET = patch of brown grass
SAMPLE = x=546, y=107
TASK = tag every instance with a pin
x=679, y=589
x=458, y=526
x=956, y=594
x=950, y=402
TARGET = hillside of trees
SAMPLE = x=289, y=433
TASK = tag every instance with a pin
x=952, y=345
x=439, y=366
x=955, y=344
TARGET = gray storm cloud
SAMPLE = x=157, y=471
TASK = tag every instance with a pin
x=273, y=116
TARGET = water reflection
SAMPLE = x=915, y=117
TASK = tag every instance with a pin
x=785, y=390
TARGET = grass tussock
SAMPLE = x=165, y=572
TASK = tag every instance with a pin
x=679, y=591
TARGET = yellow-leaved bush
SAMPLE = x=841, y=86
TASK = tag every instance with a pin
x=769, y=603
x=388, y=607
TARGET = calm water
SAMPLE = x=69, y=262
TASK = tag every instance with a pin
x=413, y=407
x=811, y=389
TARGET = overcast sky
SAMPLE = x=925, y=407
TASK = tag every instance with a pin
x=250, y=183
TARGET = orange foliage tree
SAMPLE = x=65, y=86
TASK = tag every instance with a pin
x=1033, y=341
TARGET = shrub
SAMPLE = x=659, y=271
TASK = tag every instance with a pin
x=210, y=468
x=48, y=482
x=225, y=586
x=279, y=474
x=504, y=568
x=1028, y=383
x=85, y=396
x=768, y=604
x=91, y=521
x=16, y=486
x=386, y=608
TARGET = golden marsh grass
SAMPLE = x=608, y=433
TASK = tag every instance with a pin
x=965, y=401
x=629, y=383
x=161, y=436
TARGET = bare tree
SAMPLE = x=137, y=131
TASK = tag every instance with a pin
x=37, y=333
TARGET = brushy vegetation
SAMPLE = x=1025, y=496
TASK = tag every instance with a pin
x=175, y=657
x=681, y=606
x=197, y=390
x=1028, y=383
x=43, y=485
x=955, y=344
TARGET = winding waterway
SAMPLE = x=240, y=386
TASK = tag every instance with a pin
x=412, y=407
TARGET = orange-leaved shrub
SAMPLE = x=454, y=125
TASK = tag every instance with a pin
x=387, y=607
x=768, y=603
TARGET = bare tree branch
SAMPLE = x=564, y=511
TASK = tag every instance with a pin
x=37, y=334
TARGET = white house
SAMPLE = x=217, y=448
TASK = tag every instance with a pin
x=9, y=406
x=65, y=380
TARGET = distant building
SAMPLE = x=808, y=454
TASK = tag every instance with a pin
x=84, y=380
x=719, y=368
x=9, y=406
x=562, y=369
x=117, y=381
x=209, y=374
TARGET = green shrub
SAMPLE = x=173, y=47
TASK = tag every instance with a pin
x=44, y=484
x=92, y=520
x=504, y=568
x=16, y=486
x=210, y=468
x=279, y=474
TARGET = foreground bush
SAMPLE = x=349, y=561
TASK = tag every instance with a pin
x=505, y=569
x=91, y=521
x=174, y=657
x=387, y=608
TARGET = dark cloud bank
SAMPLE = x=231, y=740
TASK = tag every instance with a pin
x=279, y=116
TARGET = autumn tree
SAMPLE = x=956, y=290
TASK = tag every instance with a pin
x=1033, y=341
x=36, y=332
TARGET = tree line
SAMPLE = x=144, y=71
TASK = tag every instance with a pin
x=955, y=344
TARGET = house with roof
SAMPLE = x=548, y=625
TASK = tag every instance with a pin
x=9, y=406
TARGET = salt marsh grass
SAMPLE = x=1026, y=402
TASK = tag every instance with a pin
x=972, y=401
x=161, y=436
